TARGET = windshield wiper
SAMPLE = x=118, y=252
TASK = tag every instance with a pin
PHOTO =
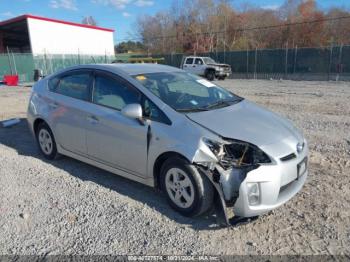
x=223, y=103
x=220, y=103
x=189, y=110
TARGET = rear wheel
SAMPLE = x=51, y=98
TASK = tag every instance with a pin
x=210, y=75
x=187, y=191
x=46, y=141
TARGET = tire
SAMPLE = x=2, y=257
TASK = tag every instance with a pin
x=210, y=75
x=187, y=191
x=46, y=141
x=221, y=78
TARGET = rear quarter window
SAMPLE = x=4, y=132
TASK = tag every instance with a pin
x=52, y=83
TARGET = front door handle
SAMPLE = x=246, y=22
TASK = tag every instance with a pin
x=93, y=119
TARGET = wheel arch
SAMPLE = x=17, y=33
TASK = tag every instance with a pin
x=209, y=69
x=159, y=163
x=40, y=120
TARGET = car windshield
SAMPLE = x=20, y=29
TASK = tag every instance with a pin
x=208, y=60
x=185, y=92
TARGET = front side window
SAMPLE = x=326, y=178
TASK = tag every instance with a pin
x=186, y=92
x=152, y=112
x=198, y=61
x=113, y=93
x=75, y=85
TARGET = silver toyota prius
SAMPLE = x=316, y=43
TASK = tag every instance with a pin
x=202, y=145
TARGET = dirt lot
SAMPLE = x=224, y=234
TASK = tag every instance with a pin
x=68, y=207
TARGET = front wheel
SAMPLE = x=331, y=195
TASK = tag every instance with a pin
x=210, y=75
x=187, y=191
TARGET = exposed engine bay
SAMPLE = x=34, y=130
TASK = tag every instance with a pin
x=237, y=154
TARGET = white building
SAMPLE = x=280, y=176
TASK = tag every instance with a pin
x=40, y=35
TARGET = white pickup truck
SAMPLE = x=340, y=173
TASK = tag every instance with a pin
x=206, y=66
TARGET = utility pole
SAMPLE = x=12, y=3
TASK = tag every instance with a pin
x=330, y=62
x=227, y=3
x=286, y=62
x=9, y=59
x=295, y=58
x=340, y=65
x=247, y=62
x=225, y=21
x=256, y=61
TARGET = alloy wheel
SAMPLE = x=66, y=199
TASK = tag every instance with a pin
x=45, y=141
x=179, y=187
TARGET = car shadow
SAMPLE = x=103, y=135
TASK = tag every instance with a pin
x=19, y=138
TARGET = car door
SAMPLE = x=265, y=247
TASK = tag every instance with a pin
x=113, y=138
x=198, y=66
x=68, y=97
x=188, y=65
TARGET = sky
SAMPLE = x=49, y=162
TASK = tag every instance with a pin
x=120, y=15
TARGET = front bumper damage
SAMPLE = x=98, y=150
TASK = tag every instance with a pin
x=278, y=182
x=227, y=193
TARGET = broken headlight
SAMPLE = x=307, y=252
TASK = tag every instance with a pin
x=241, y=154
x=237, y=153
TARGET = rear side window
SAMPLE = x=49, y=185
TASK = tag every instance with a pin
x=113, y=93
x=75, y=85
x=189, y=61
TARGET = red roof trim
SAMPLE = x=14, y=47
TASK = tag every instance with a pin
x=23, y=17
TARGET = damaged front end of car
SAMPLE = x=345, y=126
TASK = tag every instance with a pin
x=227, y=166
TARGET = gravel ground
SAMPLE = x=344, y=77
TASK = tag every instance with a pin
x=68, y=207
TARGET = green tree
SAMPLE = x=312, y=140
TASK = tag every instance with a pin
x=129, y=46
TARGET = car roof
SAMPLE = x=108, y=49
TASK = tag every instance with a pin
x=135, y=69
x=130, y=69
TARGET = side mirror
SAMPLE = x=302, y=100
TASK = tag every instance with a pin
x=133, y=111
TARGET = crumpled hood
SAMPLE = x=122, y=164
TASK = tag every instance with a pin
x=249, y=122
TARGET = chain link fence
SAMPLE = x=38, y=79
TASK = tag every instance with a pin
x=23, y=64
x=329, y=63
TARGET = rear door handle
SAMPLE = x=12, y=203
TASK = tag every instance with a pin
x=93, y=119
